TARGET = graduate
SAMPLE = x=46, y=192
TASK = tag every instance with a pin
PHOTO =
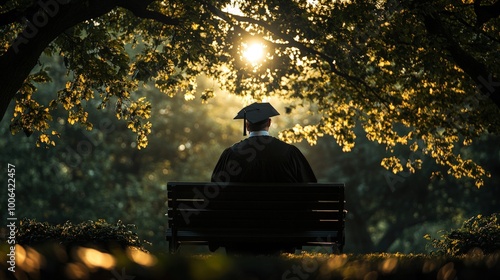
x=261, y=157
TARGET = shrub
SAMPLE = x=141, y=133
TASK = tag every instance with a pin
x=98, y=233
x=479, y=232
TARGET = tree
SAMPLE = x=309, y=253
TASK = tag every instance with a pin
x=417, y=74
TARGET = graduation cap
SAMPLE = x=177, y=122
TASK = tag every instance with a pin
x=255, y=113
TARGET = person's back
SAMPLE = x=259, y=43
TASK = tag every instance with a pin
x=263, y=159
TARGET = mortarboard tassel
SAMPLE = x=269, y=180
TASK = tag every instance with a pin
x=245, y=123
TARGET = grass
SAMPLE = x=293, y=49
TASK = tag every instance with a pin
x=55, y=261
x=99, y=250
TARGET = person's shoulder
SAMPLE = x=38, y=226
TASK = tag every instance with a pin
x=283, y=146
x=291, y=148
x=241, y=142
x=238, y=145
x=281, y=142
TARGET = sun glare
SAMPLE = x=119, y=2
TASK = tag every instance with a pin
x=253, y=52
x=233, y=9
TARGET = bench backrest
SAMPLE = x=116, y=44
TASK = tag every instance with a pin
x=243, y=207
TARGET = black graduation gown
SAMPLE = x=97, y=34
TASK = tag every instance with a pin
x=263, y=159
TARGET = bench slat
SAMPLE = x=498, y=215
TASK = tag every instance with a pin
x=271, y=237
x=260, y=196
x=214, y=215
x=257, y=205
x=245, y=187
x=290, y=225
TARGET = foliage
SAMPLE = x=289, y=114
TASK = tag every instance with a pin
x=477, y=233
x=98, y=233
x=413, y=74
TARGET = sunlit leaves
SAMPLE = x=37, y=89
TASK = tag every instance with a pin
x=477, y=236
x=100, y=232
x=207, y=94
x=97, y=63
x=136, y=112
x=29, y=115
x=393, y=164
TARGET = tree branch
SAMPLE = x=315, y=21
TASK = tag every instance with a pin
x=472, y=28
x=17, y=15
x=25, y=51
x=9, y=17
x=477, y=71
x=486, y=13
x=139, y=9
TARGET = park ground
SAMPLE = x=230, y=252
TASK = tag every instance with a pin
x=53, y=261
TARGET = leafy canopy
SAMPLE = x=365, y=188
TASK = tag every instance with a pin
x=417, y=74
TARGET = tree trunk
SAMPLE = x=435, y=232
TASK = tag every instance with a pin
x=44, y=25
x=358, y=239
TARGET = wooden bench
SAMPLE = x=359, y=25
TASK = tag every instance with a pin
x=283, y=215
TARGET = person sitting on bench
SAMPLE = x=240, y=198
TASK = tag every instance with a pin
x=260, y=158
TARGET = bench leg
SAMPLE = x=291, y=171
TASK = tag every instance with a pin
x=174, y=248
x=173, y=245
x=337, y=249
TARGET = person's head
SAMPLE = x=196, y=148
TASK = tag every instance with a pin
x=259, y=126
x=256, y=116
